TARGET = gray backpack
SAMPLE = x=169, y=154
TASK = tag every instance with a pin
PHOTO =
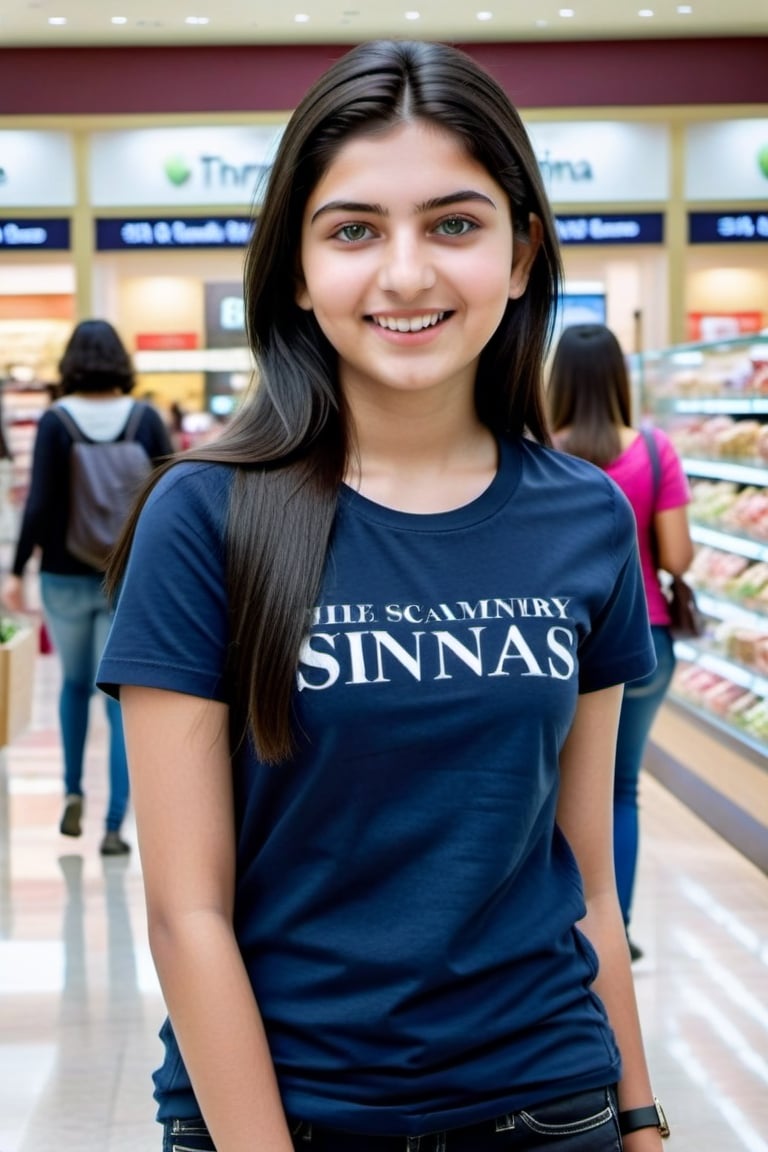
x=105, y=477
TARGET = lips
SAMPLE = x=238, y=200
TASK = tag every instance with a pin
x=415, y=323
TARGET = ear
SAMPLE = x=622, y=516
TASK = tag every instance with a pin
x=523, y=256
x=301, y=292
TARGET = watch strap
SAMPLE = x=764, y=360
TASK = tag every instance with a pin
x=652, y=1116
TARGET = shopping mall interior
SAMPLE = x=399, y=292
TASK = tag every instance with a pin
x=134, y=147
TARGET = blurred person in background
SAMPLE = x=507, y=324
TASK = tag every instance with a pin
x=590, y=411
x=96, y=377
x=8, y=519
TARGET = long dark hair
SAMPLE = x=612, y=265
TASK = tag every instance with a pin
x=95, y=360
x=589, y=392
x=291, y=438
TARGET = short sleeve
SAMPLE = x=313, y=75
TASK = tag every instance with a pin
x=619, y=647
x=673, y=487
x=170, y=628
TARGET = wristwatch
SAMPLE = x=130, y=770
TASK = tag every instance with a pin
x=650, y=1117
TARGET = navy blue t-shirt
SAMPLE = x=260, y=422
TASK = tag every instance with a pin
x=405, y=903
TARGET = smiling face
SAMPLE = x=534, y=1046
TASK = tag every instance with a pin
x=408, y=261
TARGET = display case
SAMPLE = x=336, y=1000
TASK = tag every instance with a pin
x=23, y=402
x=712, y=400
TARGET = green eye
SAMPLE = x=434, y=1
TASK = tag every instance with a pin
x=353, y=232
x=455, y=226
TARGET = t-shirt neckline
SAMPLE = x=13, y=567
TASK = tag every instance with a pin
x=485, y=505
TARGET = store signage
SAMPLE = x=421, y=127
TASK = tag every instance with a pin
x=727, y=160
x=224, y=314
x=34, y=235
x=181, y=167
x=711, y=326
x=36, y=169
x=113, y=234
x=638, y=228
x=728, y=227
x=166, y=341
x=602, y=161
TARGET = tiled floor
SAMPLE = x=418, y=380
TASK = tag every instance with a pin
x=80, y=1006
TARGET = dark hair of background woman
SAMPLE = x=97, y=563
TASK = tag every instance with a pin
x=293, y=434
x=589, y=392
x=95, y=360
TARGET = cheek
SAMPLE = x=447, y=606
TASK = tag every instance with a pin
x=329, y=287
x=490, y=292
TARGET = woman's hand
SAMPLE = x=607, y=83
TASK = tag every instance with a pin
x=12, y=594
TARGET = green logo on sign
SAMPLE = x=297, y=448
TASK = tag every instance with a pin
x=177, y=170
x=762, y=160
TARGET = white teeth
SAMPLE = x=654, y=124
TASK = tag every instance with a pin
x=410, y=323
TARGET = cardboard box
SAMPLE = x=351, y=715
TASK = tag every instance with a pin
x=17, y=678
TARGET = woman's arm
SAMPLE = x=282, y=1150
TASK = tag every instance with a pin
x=48, y=483
x=585, y=815
x=181, y=780
x=673, y=540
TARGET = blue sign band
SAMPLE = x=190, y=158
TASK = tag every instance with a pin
x=734, y=227
x=34, y=235
x=611, y=228
x=114, y=234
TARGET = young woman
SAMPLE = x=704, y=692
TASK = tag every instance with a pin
x=590, y=403
x=96, y=379
x=369, y=647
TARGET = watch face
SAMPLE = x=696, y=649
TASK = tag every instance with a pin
x=663, y=1125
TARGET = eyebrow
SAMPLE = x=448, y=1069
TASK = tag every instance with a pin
x=437, y=202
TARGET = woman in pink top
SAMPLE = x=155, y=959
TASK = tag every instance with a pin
x=590, y=410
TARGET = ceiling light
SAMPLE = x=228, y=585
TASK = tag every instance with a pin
x=119, y=19
x=413, y=15
x=566, y=13
x=301, y=18
x=196, y=20
x=541, y=23
x=684, y=10
x=484, y=15
x=57, y=19
x=645, y=12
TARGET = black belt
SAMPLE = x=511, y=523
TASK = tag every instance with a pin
x=314, y=1138
x=309, y=1137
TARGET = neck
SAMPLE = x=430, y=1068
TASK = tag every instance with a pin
x=422, y=458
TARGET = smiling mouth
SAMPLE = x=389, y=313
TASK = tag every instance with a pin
x=408, y=323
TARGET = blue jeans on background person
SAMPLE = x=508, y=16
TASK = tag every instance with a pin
x=78, y=617
x=642, y=700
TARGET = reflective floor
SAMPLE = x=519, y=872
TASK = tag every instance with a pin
x=80, y=1006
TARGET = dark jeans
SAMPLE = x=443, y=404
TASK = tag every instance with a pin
x=79, y=617
x=642, y=700
x=582, y=1122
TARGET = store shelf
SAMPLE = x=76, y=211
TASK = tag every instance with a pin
x=729, y=542
x=731, y=611
x=722, y=383
x=745, y=677
x=715, y=405
x=756, y=746
x=738, y=473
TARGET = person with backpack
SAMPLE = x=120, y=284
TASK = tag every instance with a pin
x=93, y=448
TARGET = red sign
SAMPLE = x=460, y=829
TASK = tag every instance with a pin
x=165, y=341
x=708, y=326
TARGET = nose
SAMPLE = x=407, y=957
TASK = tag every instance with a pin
x=406, y=268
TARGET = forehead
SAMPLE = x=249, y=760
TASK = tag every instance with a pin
x=414, y=161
